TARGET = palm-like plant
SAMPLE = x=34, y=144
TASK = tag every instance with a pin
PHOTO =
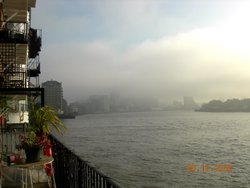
x=42, y=119
x=41, y=122
x=5, y=107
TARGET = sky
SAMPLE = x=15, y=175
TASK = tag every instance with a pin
x=165, y=49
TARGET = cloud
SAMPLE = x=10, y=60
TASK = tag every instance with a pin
x=143, y=48
x=192, y=63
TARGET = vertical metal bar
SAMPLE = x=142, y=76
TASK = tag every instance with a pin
x=26, y=177
x=53, y=176
x=101, y=184
x=86, y=175
x=94, y=178
x=22, y=180
x=105, y=183
x=1, y=174
x=31, y=182
x=89, y=176
x=42, y=97
x=97, y=180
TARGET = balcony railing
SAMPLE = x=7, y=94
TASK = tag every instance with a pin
x=13, y=32
x=35, y=42
x=71, y=171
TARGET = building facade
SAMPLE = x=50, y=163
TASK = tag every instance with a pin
x=20, y=45
x=53, y=95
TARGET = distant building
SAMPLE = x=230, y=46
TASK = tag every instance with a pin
x=99, y=103
x=74, y=107
x=189, y=103
x=177, y=105
x=53, y=94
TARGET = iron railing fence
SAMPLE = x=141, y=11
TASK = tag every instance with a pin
x=72, y=172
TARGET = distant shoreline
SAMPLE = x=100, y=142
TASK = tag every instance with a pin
x=230, y=105
x=66, y=116
x=223, y=111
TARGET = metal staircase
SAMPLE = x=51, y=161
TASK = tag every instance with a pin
x=34, y=60
x=19, y=45
x=12, y=65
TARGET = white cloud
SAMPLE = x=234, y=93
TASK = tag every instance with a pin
x=190, y=63
x=80, y=49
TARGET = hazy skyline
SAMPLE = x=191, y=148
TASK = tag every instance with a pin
x=166, y=49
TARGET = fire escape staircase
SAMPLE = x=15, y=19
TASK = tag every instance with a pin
x=19, y=46
x=34, y=61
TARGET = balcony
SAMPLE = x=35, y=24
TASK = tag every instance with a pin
x=72, y=172
x=13, y=32
x=35, y=39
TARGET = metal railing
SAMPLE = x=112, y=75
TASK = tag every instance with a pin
x=72, y=172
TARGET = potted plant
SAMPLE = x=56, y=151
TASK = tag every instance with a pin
x=41, y=122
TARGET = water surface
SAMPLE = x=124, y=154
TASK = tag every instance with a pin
x=154, y=149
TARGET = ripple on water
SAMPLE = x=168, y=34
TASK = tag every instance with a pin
x=154, y=149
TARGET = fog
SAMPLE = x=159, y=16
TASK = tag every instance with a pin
x=202, y=60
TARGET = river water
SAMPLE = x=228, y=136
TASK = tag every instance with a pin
x=166, y=148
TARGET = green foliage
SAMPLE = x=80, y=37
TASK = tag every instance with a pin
x=230, y=105
x=4, y=104
x=31, y=138
x=42, y=119
x=41, y=122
